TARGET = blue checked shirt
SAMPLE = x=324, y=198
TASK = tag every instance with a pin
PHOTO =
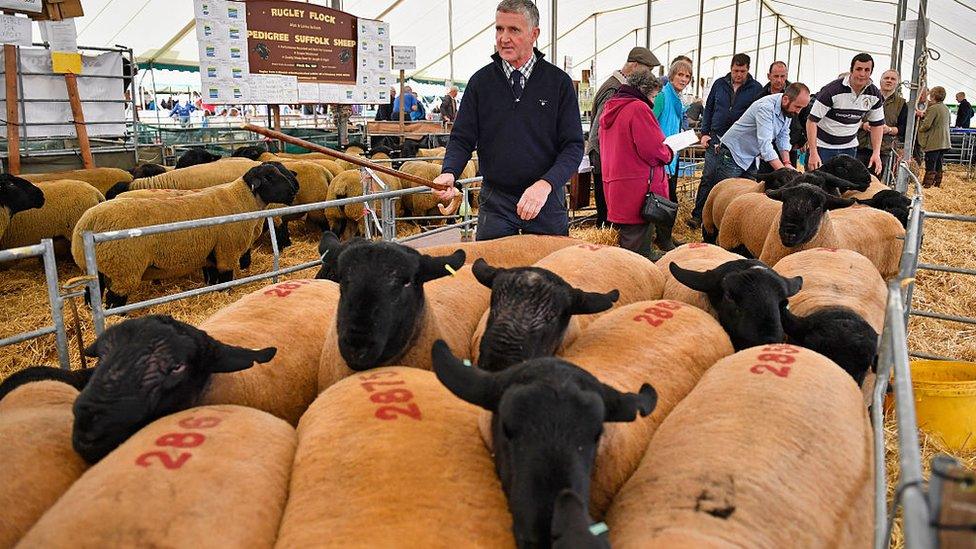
x=754, y=133
x=526, y=70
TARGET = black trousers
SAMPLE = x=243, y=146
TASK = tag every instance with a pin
x=933, y=160
x=497, y=216
x=598, y=196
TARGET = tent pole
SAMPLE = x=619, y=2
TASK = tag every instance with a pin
x=647, y=35
x=898, y=44
x=698, y=52
x=901, y=184
x=789, y=52
x=595, y=46
x=776, y=40
x=759, y=33
x=450, y=34
x=553, y=34
x=799, y=59
x=735, y=31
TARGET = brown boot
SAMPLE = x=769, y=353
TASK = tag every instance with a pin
x=938, y=179
x=929, y=179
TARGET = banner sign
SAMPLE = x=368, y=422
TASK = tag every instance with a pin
x=33, y=6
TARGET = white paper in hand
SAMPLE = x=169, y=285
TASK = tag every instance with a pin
x=681, y=140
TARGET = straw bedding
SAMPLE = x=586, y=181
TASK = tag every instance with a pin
x=23, y=297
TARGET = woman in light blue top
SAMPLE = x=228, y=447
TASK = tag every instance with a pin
x=669, y=111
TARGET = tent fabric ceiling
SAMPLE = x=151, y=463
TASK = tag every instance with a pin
x=833, y=31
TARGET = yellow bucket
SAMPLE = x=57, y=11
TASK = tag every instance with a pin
x=945, y=401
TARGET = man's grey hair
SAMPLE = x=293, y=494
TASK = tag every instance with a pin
x=678, y=65
x=525, y=7
x=645, y=81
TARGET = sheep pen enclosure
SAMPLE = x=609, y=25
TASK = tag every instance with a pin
x=24, y=305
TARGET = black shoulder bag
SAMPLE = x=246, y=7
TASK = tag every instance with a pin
x=658, y=210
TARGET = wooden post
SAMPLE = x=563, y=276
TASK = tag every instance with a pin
x=13, y=124
x=402, y=103
x=71, y=81
x=276, y=114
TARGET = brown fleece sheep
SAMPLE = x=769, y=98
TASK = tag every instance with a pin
x=323, y=160
x=747, y=221
x=102, y=179
x=664, y=343
x=64, y=203
x=695, y=256
x=721, y=196
x=291, y=316
x=834, y=277
x=390, y=458
x=37, y=463
x=510, y=251
x=453, y=306
x=420, y=204
x=771, y=449
x=875, y=234
x=204, y=474
x=874, y=188
x=200, y=176
x=336, y=215
x=156, y=193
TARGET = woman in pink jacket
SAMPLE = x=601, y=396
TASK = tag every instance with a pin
x=633, y=152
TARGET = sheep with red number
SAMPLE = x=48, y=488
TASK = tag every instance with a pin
x=37, y=464
x=394, y=303
x=389, y=458
x=743, y=462
x=200, y=475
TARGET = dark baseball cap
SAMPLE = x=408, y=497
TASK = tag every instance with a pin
x=643, y=56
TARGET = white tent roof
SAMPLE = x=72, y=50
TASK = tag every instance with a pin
x=834, y=30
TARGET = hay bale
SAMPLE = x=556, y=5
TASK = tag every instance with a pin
x=772, y=449
x=213, y=472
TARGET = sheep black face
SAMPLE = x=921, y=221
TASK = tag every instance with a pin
x=530, y=310
x=381, y=296
x=18, y=194
x=892, y=202
x=571, y=525
x=147, y=170
x=839, y=334
x=804, y=205
x=849, y=169
x=148, y=367
x=272, y=183
x=547, y=419
x=195, y=156
x=778, y=179
x=748, y=297
x=252, y=152
x=410, y=149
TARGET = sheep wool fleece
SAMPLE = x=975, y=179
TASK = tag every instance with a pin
x=37, y=463
x=101, y=178
x=721, y=196
x=694, y=256
x=748, y=221
x=127, y=262
x=510, y=251
x=199, y=176
x=212, y=476
x=664, y=343
x=291, y=316
x=390, y=458
x=772, y=449
x=64, y=203
x=833, y=277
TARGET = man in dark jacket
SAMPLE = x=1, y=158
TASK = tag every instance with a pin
x=776, y=82
x=640, y=58
x=385, y=112
x=728, y=99
x=521, y=113
x=449, y=105
x=964, y=115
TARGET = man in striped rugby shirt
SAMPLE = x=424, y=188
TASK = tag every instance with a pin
x=836, y=116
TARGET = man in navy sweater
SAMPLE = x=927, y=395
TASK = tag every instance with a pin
x=521, y=114
x=728, y=100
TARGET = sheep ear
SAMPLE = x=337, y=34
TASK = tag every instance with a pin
x=485, y=273
x=836, y=182
x=793, y=285
x=835, y=202
x=775, y=194
x=432, y=268
x=587, y=303
x=255, y=178
x=470, y=384
x=91, y=351
x=706, y=281
x=625, y=406
x=231, y=358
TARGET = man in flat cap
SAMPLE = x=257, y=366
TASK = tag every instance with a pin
x=640, y=58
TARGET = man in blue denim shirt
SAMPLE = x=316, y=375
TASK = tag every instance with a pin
x=766, y=121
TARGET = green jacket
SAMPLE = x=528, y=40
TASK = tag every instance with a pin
x=895, y=116
x=933, y=130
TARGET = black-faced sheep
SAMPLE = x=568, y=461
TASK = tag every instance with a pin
x=17, y=195
x=148, y=367
x=249, y=151
x=64, y=203
x=572, y=527
x=186, y=479
x=126, y=262
x=147, y=170
x=548, y=417
x=394, y=302
x=890, y=201
x=102, y=179
x=695, y=256
x=195, y=156
x=810, y=218
x=195, y=177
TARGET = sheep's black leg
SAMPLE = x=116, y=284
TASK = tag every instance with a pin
x=225, y=276
x=322, y=225
x=284, y=238
x=101, y=284
x=113, y=300
x=245, y=261
x=743, y=251
x=210, y=275
x=708, y=237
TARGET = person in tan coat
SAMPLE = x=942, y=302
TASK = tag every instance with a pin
x=933, y=136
